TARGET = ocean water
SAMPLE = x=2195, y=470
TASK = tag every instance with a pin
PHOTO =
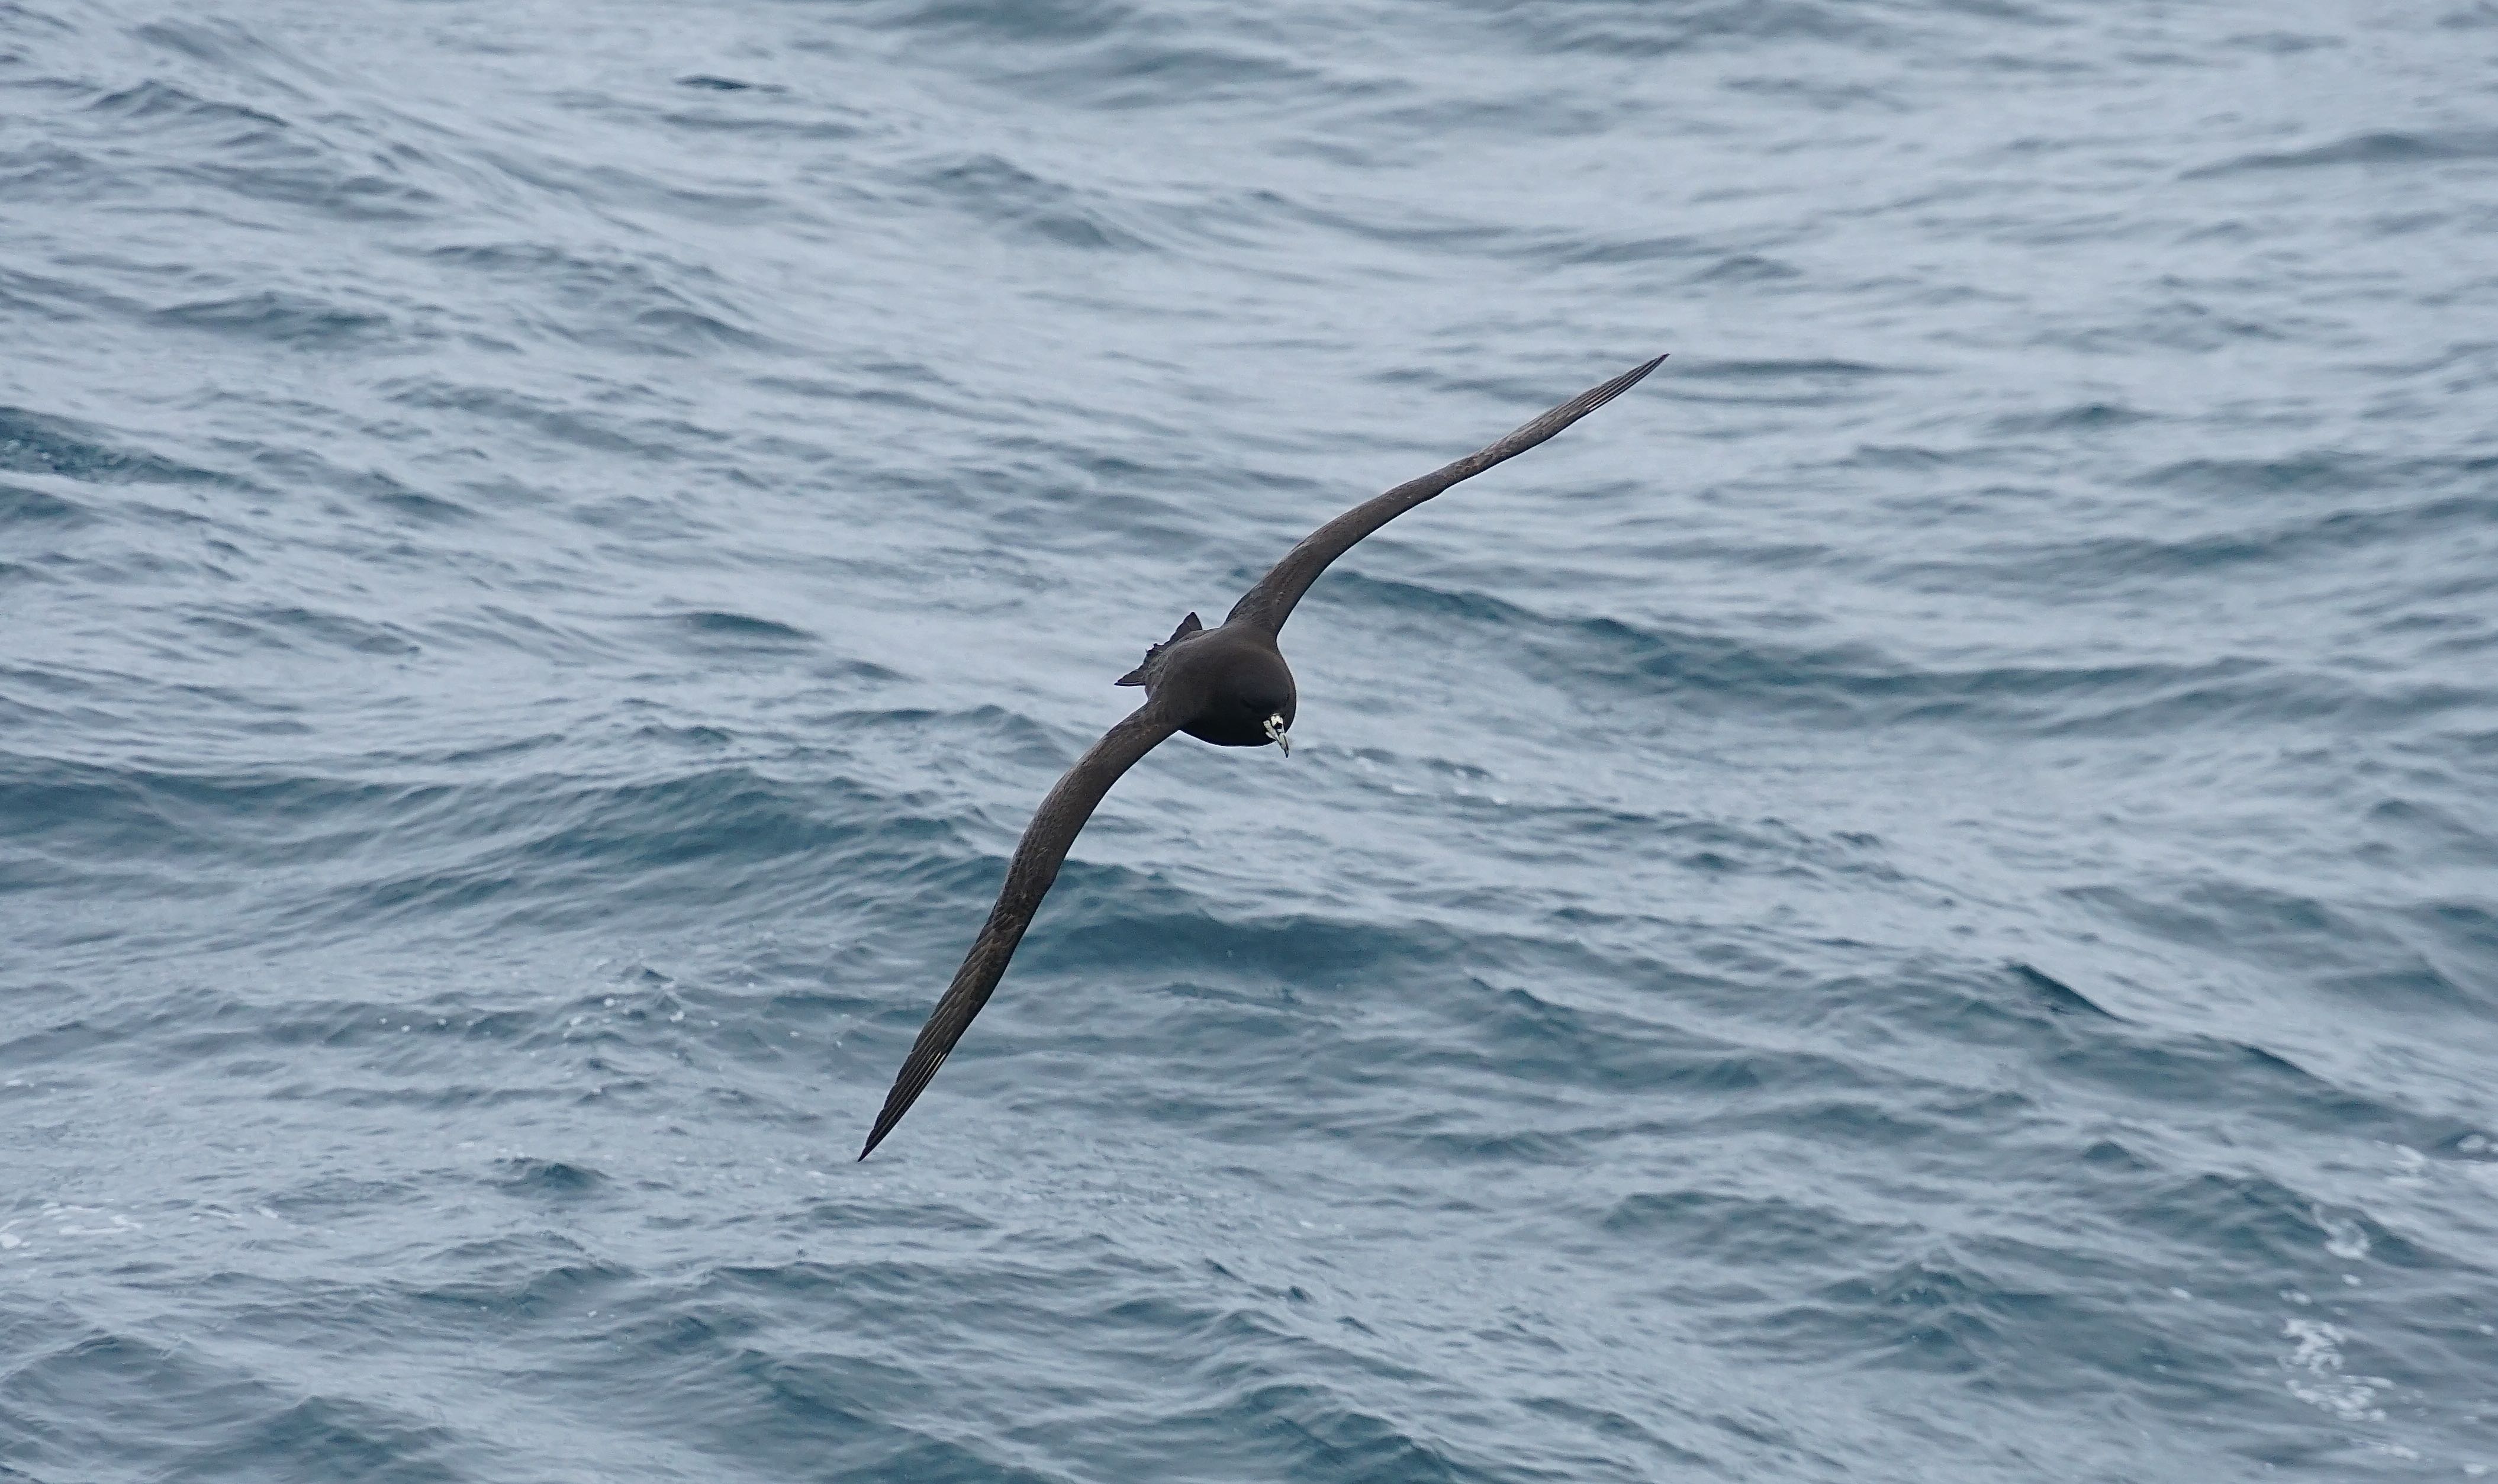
x=1915, y=900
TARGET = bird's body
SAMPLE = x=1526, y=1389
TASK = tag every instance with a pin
x=1229, y=682
x=1228, y=686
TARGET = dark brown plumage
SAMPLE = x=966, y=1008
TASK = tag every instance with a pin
x=1228, y=686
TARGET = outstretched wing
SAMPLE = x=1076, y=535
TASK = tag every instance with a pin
x=1053, y=828
x=1268, y=604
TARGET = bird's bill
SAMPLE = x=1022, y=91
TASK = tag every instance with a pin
x=1275, y=733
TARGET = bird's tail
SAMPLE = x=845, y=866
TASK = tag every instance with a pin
x=1137, y=677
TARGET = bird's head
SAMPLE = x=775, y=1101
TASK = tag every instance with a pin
x=1276, y=733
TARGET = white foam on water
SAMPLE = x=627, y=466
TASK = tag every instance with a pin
x=2344, y=1238
x=2316, y=1378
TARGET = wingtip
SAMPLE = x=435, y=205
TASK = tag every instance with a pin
x=884, y=1125
x=1604, y=392
x=876, y=1135
x=1597, y=396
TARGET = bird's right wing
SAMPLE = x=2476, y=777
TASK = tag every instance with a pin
x=1045, y=841
x=1268, y=604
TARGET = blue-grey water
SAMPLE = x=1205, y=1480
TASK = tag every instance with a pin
x=1915, y=900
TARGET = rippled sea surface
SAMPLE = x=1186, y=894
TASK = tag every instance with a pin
x=1915, y=900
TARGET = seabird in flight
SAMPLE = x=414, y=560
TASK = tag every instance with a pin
x=1226, y=686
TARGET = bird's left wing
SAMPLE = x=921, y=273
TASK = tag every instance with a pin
x=1045, y=841
x=1268, y=604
